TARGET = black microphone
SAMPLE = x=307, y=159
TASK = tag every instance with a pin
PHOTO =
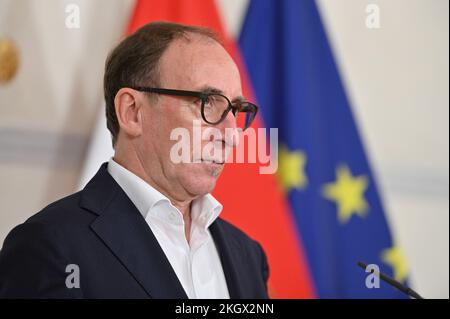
x=392, y=282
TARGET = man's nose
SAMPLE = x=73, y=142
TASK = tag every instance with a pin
x=228, y=128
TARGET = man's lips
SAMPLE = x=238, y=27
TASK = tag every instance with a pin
x=218, y=161
x=209, y=160
x=212, y=161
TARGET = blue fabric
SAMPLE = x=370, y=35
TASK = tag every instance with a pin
x=298, y=87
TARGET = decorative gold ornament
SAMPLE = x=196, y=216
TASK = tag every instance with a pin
x=9, y=60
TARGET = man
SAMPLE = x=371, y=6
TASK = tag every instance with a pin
x=146, y=225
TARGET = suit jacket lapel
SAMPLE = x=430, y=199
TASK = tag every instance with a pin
x=123, y=229
x=229, y=256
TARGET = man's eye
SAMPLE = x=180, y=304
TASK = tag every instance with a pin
x=199, y=101
x=207, y=101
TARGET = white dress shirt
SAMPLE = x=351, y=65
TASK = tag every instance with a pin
x=196, y=264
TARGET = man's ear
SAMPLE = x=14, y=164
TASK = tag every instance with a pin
x=128, y=111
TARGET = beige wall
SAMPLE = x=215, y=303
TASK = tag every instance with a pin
x=47, y=111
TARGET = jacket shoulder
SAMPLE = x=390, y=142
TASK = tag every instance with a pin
x=33, y=259
x=65, y=211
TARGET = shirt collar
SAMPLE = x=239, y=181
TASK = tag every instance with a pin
x=205, y=210
x=151, y=203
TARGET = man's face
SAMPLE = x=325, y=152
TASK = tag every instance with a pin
x=196, y=65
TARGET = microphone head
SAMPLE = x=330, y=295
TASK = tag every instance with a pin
x=362, y=265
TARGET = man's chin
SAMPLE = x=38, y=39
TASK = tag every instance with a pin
x=200, y=186
x=206, y=170
x=201, y=178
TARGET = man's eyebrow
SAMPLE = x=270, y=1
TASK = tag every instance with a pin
x=210, y=89
x=214, y=90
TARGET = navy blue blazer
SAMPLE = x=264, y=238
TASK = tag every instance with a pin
x=102, y=232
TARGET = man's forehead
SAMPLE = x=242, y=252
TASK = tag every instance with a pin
x=194, y=49
x=201, y=66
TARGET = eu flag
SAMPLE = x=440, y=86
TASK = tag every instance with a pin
x=323, y=168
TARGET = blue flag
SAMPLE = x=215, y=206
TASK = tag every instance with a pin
x=323, y=168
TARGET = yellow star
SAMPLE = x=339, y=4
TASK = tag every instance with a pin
x=291, y=169
x=395, y=258
x=348, y=193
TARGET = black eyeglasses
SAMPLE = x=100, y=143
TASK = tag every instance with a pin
x=215, y=106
